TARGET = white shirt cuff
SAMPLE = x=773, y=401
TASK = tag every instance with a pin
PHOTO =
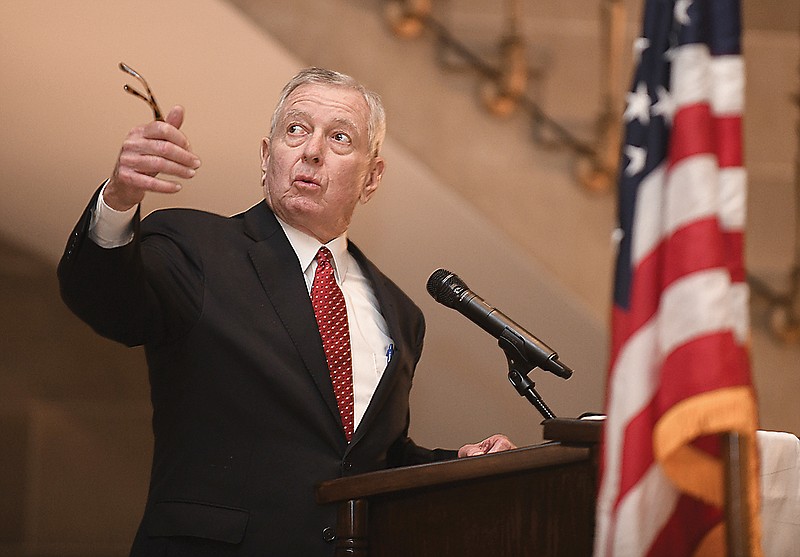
x=110, y=228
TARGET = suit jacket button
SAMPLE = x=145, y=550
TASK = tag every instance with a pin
x=328, y=534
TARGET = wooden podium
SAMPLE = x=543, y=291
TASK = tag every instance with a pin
x=537, y=500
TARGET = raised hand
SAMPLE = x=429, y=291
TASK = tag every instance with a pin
x=148, y=151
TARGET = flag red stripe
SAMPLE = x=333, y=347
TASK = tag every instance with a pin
x=693, y=248
x=696, y=131
x=711, y=362
x=691, y=133
x=637, y=452
x=687, y=526
x=734, y=242
x=728, y=135
x=685, y=252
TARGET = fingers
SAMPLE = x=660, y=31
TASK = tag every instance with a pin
x=470, y=450
x=497, y=443
x=158, y=148
x=494, y=444
x=152, y=151
x=175, y=116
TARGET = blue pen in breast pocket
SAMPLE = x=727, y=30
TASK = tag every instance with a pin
x=389, y=353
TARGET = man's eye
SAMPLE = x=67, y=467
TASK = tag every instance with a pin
x=341, y=137
x=294, y=128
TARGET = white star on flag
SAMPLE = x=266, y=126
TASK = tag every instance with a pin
x=638, y=105
x=637, y=156
x=639, y=46
x=682, y=11
x=664, y=106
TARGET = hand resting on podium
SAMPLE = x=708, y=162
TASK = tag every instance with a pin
x=494, y=444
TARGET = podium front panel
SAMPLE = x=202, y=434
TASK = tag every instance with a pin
x=535, y=501
x=543, y=512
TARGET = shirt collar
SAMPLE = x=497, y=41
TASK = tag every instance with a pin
x=306, y=248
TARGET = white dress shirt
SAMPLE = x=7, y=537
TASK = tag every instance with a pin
x=370, y=343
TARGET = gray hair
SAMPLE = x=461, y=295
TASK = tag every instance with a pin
x=376, y=123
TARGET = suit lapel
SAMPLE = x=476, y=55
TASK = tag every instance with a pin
x=282, y=279
x=389, y=310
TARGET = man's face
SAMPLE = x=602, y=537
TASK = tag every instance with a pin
x=317, y=165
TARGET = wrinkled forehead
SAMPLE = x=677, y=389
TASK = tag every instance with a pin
x=336, y=102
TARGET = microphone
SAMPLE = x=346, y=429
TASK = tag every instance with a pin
x=449, y=290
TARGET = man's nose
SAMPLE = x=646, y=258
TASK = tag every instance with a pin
x=314, y=149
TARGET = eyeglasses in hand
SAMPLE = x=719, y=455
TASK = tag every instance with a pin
x=149, y=98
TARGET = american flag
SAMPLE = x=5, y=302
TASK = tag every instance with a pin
x=679, y=368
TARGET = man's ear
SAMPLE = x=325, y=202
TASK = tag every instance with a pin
x=264, y=154
x=373, y=180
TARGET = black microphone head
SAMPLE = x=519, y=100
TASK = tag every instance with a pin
x=446, y=287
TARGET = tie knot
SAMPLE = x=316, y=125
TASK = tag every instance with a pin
x=324, y=254
x=324, y=258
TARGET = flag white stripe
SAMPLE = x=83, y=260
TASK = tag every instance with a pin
x=733, y=198
x=684, y=202
x=694, y=306
x=691, y=75
x=667, y=202
x=647, y=228
x=698, y=77
x=739, y=296
x=653, y=492
x=691, y=192
x=727, y=96
x=630, y=390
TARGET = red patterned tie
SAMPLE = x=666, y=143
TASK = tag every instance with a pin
x=331, y=314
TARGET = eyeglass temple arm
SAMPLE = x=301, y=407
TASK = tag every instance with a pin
x=149, y=99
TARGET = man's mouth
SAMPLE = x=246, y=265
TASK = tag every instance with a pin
x=306, y=181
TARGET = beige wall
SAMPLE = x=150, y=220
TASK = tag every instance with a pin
x=462, y=191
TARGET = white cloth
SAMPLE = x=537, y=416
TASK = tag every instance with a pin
x=111, y=228
x=780, y=493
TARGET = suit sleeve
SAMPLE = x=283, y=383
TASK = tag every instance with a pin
x=404, y=451
x=145, y=291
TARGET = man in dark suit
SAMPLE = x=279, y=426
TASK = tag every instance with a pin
x=246, y=416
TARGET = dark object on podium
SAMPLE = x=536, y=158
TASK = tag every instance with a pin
x=535, y=501
x=573, y=431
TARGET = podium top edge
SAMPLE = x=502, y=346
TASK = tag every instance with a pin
x=439, y=473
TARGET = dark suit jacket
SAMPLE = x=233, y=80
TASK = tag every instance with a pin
x=244, y=415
